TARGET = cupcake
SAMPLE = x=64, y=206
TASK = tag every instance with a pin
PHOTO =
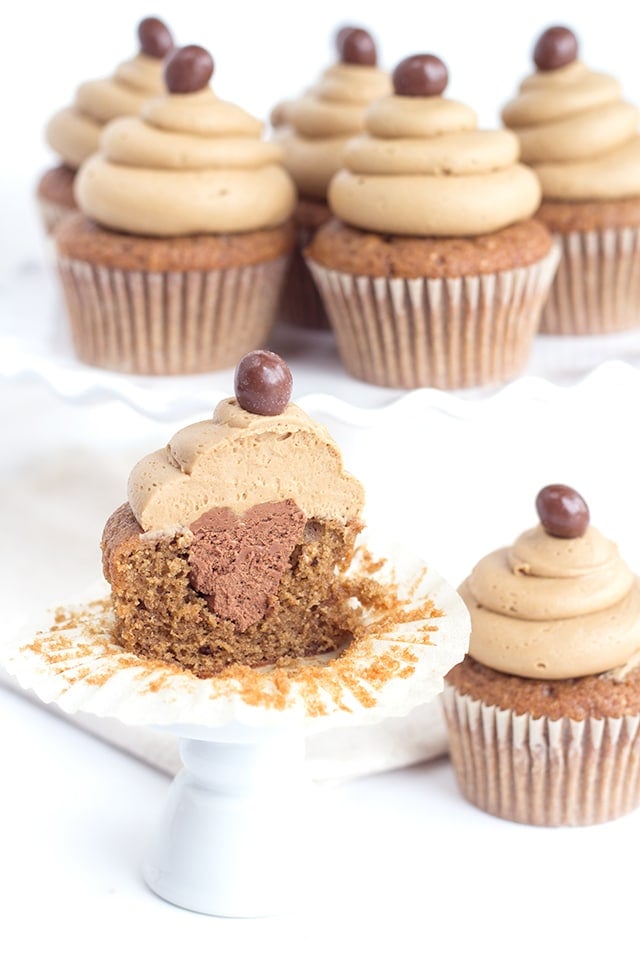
x=176, y=262
x=581, y=138
x=313, y=131
x=74, y=133
x=431, y=270
x=544, y=712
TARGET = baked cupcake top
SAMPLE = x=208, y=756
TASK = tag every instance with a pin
x=314, y=128
x=422, y=167
x=257, y=448
x=559, y=603
x=189, y=164
x=574, y=128
x=74, y=132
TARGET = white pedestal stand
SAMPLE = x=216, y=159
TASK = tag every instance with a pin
x=229, y=839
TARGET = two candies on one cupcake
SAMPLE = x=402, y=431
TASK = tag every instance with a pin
x=432, y=270
x=550, y=689
x=176, y=263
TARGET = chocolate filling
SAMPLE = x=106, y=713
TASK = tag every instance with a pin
x=237, y=562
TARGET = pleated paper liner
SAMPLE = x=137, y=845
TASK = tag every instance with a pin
x=146, y=322
x=540, y=771
x=597, y=286
x=444, y=333
x=302, y=304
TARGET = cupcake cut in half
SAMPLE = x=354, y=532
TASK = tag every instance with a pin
x=544, y=712
x=313, y=131
x=581, y=137
x=73, y=133
x=176, y=263
x=432, y=271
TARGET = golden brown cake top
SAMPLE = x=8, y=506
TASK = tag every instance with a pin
x=574, y=128
x=257, y=448
x=422, y=167
x=190, y=163
x=74, y=132
x=559, y=603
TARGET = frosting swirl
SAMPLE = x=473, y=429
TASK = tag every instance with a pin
x=74, y=132
x=577, y=133
x=239, y=459
x=553, y=608
x=190, y=163
x=422, y=168
x=314, y=129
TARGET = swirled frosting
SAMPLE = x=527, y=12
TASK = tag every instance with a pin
x=423, y=168
x=74, y=132
x=314, y=129
x=577, y=133
x=191, y=163
x=554, y=608
x=239, y=459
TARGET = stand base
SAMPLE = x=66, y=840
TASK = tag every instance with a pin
x=229, y=843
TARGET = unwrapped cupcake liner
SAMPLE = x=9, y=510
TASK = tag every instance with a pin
x=596, y=289
x=72, y=659
x=445, y=333
x=540, y=771
x=169, y=322
x=302, y=304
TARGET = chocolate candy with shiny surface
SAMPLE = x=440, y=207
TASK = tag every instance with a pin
x=422, y=75
x=356, y=46
x=562, y=511
x=188, y=69
x=556, y=47
x=263, y=383
x=155, y=38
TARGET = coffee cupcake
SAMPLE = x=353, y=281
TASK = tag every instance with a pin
x=74, y=132
x=313, y=131
x=582, y=140
x=544, y=712
x=176, y=263
x=432, y=271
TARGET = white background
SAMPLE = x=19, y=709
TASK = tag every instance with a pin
x=407, y=869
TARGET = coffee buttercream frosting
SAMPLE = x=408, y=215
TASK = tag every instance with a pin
x=314, y=129
x=191, y=163
x=422, y=168
x=554, y=608
x=74, y=132
x=577, y=133
x=237, y=460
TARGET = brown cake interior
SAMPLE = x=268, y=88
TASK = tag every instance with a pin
x=160, y=614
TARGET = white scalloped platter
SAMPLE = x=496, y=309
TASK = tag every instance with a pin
x=34, y=344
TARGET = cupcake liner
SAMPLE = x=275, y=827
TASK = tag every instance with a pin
x=540, y=771
x=172, y=322
x=447, y=333
x=301, y=304
x=399, y=664
x=597, y=286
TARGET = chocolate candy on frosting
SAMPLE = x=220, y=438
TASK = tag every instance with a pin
x=188, y=69
x=562, y=511
x=155, y=38
x=556, y=47
x=356, y=46
x=422, y=75
x=263, y=383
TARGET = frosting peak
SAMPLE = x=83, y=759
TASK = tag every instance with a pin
x=554, y=608
x=190, y=163
x=423, y=168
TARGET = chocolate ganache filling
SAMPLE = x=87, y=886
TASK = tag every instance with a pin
x=237, y=562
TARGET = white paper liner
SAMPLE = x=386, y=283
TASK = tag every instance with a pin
x=76, y=663
x=596, y=289
x=169, y=322
x=446, y=333
x=540, y=771
x=301, y=304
